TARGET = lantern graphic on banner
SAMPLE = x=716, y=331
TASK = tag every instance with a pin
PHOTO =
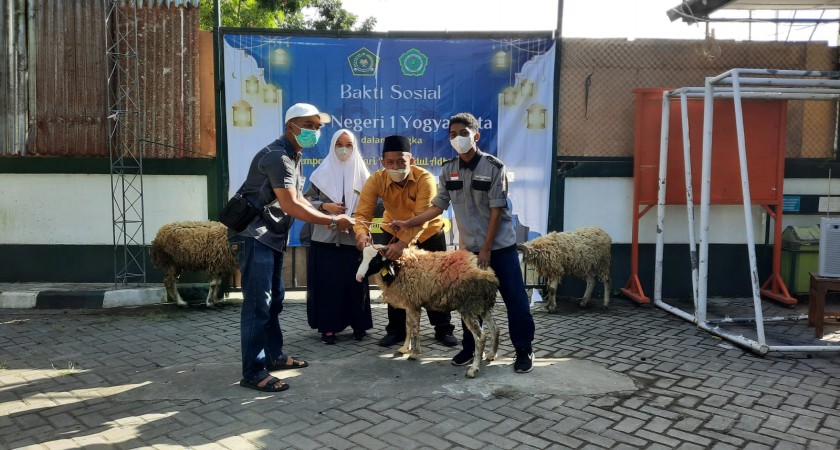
x=536, y=116
x=242, y=114
x=252, y=85
x=509, y=96
x=271, y=94
x=501, y=60
x=280, y=57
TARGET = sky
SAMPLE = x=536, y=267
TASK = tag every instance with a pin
x=632, y=19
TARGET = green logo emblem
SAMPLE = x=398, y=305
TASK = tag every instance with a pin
x=363, y=62
x=413, y=63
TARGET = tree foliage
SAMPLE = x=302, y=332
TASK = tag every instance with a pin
x=284, y=14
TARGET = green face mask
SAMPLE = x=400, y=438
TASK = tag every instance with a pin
x=307, y=138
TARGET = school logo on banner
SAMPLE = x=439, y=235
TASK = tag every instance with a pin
x=413, y=63
x=363, y=62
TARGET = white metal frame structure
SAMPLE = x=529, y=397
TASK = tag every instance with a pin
x=123, y=141
x=736, y=84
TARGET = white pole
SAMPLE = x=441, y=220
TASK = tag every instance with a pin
x=689, y=197
x=660, y=205
x=748, y=217
x=705, y=198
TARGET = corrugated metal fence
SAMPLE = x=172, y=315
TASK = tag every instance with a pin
x=57, y=71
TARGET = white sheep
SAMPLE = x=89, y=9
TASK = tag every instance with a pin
x=194, y=247
x=439, y=281
x=584, y=253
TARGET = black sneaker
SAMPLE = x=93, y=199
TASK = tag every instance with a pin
x=360, y=335
x=329, y=338
x=463, y=358
x=447, y=339
x=391, y=339
x=524, y=362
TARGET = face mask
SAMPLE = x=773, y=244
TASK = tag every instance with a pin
x=397, y=174
x=462, y=144
x=343, y=153
x=307, y=138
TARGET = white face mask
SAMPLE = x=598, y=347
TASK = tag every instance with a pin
x=343, y=153
x=462, y=144
x=397, y=174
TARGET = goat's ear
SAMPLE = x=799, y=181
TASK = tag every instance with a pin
x=388, y=273
x=379, y=246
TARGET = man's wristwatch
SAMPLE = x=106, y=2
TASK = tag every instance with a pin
x=333, y=223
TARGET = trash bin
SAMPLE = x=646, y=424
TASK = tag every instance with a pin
x=800, y=255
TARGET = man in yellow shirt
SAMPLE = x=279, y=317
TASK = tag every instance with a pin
x=406, y=190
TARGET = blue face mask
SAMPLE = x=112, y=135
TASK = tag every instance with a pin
x=307, y=138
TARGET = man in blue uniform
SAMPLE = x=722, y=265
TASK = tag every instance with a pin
x=475, y=183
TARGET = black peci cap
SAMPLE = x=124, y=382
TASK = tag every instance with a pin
x=396, y=143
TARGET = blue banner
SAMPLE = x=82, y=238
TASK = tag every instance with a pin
x=377, y=87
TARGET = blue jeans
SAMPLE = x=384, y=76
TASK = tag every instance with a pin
x=505, y=263
x=262, y=293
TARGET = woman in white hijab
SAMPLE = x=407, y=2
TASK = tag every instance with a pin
x=334, y=299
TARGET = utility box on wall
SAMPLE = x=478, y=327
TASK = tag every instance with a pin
x=800, y=255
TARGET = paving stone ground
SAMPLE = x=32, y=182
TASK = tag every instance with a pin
x=165, y=378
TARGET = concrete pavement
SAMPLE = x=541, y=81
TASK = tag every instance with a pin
x=623, y=377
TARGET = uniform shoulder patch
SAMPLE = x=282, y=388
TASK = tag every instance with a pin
x=449, y=162
x=495, y=161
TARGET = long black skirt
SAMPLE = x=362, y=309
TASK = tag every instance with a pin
x=334, y=299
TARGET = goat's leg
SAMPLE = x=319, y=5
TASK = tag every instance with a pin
x=551, y=294
x=590, y=285
x=412, y=333
x=170, y=281
x=492, y=331
x=480, y=339
x=213, y=291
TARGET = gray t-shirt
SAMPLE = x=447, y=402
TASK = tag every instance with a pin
x=473, y=189
x=275, y=166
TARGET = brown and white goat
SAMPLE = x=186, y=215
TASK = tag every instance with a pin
x=439, y=281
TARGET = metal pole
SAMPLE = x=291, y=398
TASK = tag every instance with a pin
x=558, y=181
x=689, y=197
x=222, y=178
x=660, y=203
x=748, y=217
x=559, y=19
x=705, y=198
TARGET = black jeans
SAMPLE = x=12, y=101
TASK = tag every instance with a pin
x=396, y=316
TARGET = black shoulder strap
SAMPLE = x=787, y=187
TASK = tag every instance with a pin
x=495, y=161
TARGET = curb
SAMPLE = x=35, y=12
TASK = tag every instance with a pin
x=82, y=299
x=99, y=296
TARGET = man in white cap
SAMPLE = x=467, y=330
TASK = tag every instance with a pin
x=273, y=185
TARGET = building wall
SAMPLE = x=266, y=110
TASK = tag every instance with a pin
x=75, y=209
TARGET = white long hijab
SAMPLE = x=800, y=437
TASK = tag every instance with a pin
x=337, y=178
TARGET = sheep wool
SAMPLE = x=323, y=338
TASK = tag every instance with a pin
x=439, y=281
x=584, y=253
x=194, y=247
x=446, y=280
